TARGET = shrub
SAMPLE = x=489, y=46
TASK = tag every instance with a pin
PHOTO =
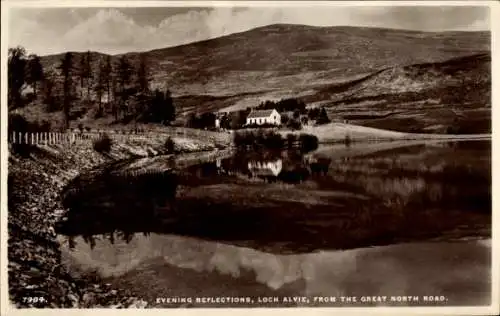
x=304, y=120
x=264, y=125
x=308, y=142
x=322, y=117
x=452, y=129
x=284, y=119
x=99, y=113
x=291, y=139
x=18, y=123
x=273, y=140
x=284, y=105
x=294, y=124
x=169, y=145
x=103, y=144
x=296, y=114
x=347, y=140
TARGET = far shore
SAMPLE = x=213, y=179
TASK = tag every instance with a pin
x=415, y=137
x=343, y=132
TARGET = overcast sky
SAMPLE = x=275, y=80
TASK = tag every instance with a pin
x=118, y=30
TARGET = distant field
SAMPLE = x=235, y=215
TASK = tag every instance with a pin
x=336, y=132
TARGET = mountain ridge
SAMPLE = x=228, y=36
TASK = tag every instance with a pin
x=320, y=65
x=278, y=25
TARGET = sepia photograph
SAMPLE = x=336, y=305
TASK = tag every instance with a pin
x=247, y=155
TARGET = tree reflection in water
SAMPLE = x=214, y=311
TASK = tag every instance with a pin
x=316, y=201
x=119, y=206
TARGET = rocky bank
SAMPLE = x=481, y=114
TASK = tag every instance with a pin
x=36, y=178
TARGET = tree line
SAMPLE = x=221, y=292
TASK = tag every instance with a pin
x=284, y=105
x=114, y=87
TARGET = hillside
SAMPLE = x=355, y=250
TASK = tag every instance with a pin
x=330, y=53
x=427, y=97
x=357, y=73
x=285, y=50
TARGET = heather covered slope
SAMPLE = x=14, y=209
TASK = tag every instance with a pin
x=282, y=51
x=428, y=97
x=395, y=79
x=331, y=53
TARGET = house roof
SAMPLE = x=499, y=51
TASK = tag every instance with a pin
x=260, y=113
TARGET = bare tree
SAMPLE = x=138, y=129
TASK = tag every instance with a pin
x=82, y=73
x=48, y=86
x=67, y=68
x=34, y=72
x=124, y=74
x=16, y=75
x=88, y=72
x=102, y=81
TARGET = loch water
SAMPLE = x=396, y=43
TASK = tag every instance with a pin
x=376, y=219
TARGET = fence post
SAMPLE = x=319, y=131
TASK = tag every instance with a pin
x=26, y=138
x=32, y=139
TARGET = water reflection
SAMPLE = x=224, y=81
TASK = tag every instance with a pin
x=287, y=166
x=274, y=223
x=268, y=168
x=150, y=265
x=319, y=201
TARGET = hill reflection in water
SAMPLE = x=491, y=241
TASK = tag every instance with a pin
x=231, y=228
x=169, y=265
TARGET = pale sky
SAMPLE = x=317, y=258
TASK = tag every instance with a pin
x=119, y=30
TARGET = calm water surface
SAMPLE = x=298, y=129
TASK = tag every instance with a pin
x=396, y=219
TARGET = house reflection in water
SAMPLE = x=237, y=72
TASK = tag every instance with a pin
x=265, y=169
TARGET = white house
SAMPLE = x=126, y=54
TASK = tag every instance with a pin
x=268, y=168
x=260, y=117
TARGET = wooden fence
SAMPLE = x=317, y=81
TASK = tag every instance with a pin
x=50, y=138
x=72, y=137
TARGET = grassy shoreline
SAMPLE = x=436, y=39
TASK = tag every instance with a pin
x=338, y=132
